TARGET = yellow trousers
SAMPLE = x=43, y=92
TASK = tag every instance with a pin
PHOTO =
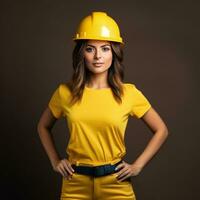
x=96, y=188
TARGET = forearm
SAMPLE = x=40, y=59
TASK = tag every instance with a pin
x=48, y=144
x=153, y=146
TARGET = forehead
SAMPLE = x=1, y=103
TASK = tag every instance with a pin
x=97, y=42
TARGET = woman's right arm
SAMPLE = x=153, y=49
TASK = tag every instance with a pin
x=44, y=127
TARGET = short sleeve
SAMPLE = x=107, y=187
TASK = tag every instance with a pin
x=55, y=103
x=140, y=104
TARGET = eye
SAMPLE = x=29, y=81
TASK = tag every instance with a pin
x=88, y=49
x=106, y=48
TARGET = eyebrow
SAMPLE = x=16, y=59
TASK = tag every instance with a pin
x=101, y=46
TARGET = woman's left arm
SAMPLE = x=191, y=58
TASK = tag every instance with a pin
x=152, y=119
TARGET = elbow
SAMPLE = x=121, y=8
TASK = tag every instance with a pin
x=162, y=131
x=165, y=131
x=40, y=127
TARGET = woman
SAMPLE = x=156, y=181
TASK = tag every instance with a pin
x=96, y=104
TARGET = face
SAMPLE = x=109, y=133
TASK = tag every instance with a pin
x=98, y=56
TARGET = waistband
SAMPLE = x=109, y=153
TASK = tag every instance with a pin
x=79, y=163
x=97, y=170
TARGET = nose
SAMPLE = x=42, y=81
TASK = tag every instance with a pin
x=97, y=53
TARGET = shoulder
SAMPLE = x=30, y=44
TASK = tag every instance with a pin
x=129, y=87
x=63, y=87
x=63, y=90
x=132, y=89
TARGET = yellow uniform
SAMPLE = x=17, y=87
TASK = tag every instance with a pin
x=97, y=124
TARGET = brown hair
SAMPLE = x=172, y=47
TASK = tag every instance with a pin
x=81, y=74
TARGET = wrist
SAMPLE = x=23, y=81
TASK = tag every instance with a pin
x=138, y=165
x=55, y=162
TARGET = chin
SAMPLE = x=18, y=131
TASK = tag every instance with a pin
x=97, y=71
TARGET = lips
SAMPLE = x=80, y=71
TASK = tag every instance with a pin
x=98, y=64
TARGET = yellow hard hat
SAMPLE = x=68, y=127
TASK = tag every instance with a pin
x=98, y=26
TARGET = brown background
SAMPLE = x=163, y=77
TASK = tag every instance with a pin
x=161, y=59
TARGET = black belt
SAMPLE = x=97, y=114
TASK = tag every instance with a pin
x=97, y=171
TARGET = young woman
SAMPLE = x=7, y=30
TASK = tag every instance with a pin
x=96, y=104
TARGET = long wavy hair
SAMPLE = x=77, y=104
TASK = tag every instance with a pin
x=81, y=74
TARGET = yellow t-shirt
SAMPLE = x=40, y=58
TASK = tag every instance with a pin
x=97, y=125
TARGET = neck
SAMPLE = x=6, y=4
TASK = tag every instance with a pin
x=98, y=81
